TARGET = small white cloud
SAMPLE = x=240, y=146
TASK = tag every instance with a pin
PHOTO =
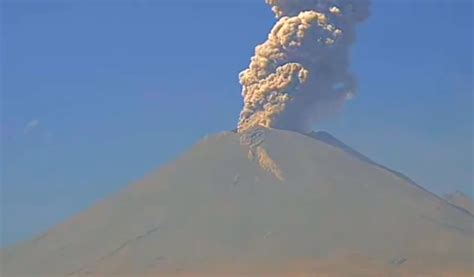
x=30, y=126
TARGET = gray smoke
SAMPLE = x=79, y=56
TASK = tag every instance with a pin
x=301, y=73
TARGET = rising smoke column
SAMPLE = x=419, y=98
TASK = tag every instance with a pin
x=301, y=73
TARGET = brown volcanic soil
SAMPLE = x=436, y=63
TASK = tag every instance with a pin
x=271, y=203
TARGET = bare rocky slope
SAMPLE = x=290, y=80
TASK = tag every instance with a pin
x=265, y=203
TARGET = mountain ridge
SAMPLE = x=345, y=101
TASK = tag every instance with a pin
x=331, y=140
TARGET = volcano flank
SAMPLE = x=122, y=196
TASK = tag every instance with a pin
x=264, y=202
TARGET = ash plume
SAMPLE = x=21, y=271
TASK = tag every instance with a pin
x=301, y=73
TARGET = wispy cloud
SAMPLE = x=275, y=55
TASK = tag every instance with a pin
x=30, y=126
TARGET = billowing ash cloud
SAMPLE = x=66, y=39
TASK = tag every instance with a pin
x=301, y=73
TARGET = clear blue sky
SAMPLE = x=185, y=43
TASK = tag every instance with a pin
x=96, y=94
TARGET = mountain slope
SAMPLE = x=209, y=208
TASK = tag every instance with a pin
x=457, y=199
x=461, y=200
x=266, y=202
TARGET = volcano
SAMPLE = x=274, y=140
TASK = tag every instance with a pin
x=265, y=202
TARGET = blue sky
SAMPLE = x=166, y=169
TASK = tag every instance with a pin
x=96, y=94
